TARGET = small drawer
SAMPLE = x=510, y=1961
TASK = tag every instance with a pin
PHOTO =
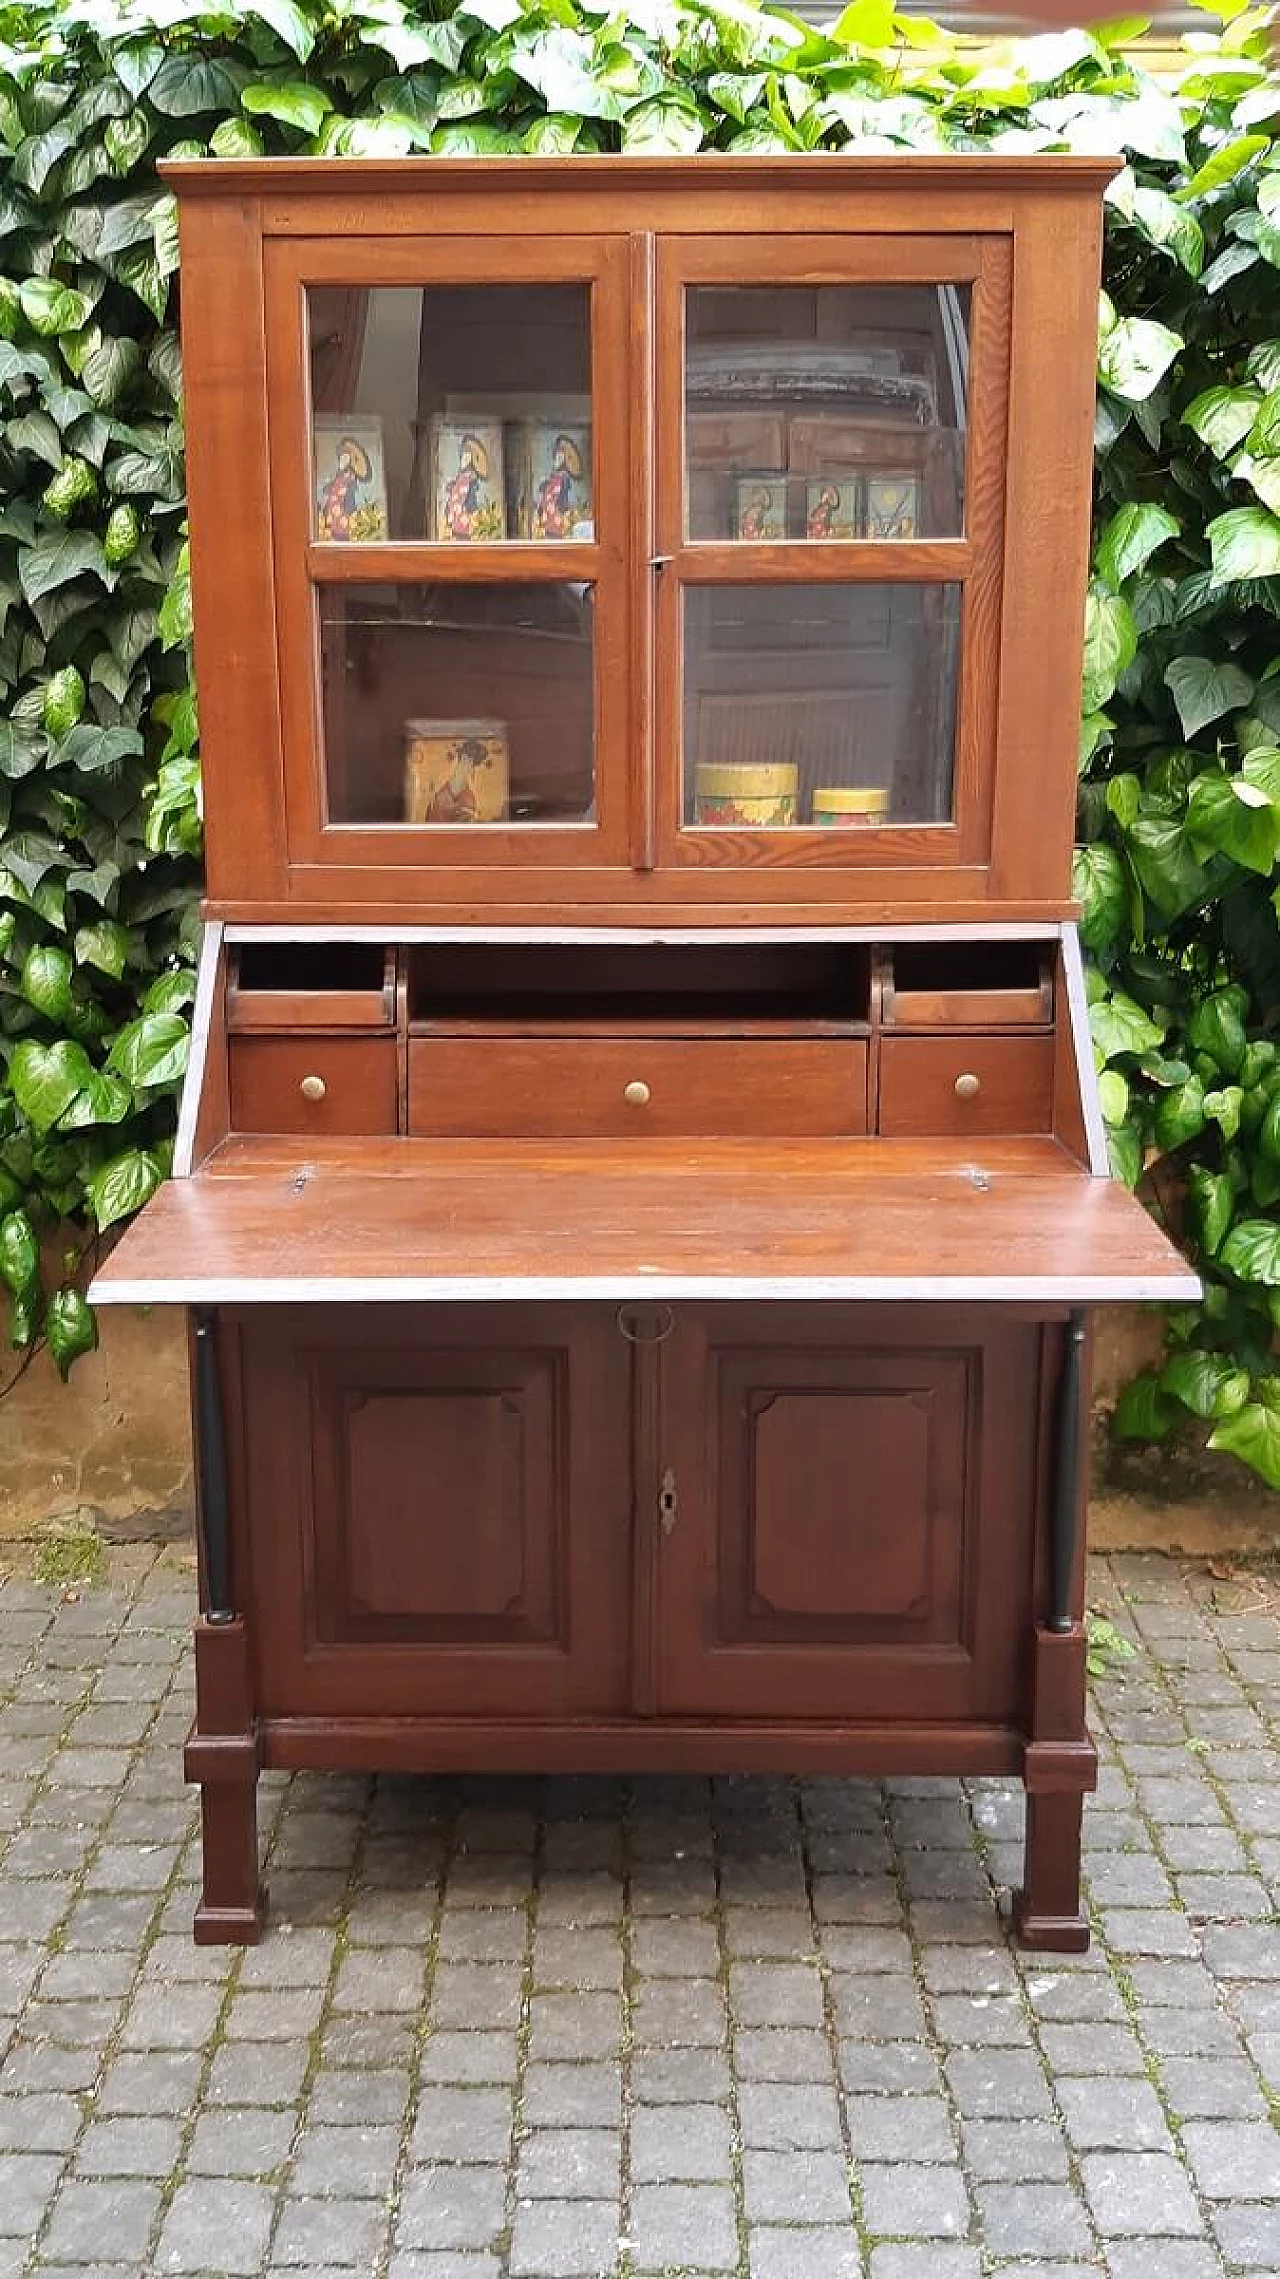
x=313, y=1084
x=615, y=1087
x=952, y=1086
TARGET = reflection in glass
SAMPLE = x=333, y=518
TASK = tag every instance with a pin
x=453, y=412
x=825, y=411
x=457, y=704
x=830, y=706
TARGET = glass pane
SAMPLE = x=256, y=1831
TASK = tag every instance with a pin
x=825, y=411
x=457, y=704
x=452, y=412
x=830, y=705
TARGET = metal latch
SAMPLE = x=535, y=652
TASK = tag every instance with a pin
x=668, y=1501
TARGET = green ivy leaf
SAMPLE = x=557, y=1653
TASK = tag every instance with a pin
x=1099, y=884
x=1235, y=816
x=1110, y=645
x=1206, y=1383
x=1222, y=417
x=1210, y=1206
x=57, y=558
x=1253, y=1434
x=122, y=1186
x=46, y=981
x=151, y=1050
x=1245, y=543
x=1223, y=1109
x=1179, y=1114
x=1167, y=870
x=1129, y=540
x=188, y=83
x=1113, y=1096
x=1134, y=356
x=1225, y=166
x=1203, y=690
x=1118, y=1024
x=51, y=308
x=291, y=101
x=103, y=944
x=1144, y=1410
x=1252, y=1251
x=1170, y=227
x=70, y=1328
x=1216, y=1027
x=46, y=1079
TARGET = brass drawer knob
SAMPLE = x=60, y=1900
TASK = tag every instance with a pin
x=636, y=1094
x=313, y=1088
x=968, y=1087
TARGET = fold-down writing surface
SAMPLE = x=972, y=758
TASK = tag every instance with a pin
x=496, y=1219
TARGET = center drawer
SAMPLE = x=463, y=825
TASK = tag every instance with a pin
x=318, y=1085
x=607, y=1087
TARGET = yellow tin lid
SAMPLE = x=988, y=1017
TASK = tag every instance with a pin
x=850, y=799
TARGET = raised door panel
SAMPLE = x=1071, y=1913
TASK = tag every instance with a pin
x=854, y=1503
x=438, y=1511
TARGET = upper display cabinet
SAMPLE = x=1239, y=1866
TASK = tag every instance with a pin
x=682, y=540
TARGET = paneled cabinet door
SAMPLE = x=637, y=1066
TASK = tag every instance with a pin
x=841, y=1480
x=438, y=1511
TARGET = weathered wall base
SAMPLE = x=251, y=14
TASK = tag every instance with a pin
x=112, y=1448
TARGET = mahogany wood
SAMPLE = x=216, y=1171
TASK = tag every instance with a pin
x=716, y=1428
x=919, y=1075
x=726, y=1217
x=566, y=1087
x=268, y=1075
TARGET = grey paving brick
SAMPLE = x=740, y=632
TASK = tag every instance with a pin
x=1178, y=2259
x=1212, y=2088
x=1249, y=2234
x=250, y=2140
x=86, y=2214
x=686, y=2225
x=781, y=2116
x=28, y=2179
x=472, y=2125
x=359, y=2098
x=575, y=2025
x=229, y=2218
x=998, y=2084
x=569, y=2164
x=775, y=1994
x=889, y=2069
x=681, y=2144
x=1032, y=2220
x=801, y=2252
x=670, y=1949
x=780, y=2053
x=796, y=2187
x=914, y=2201
x=880, y=2008
x=1120, y=2115
x=1015, y=2152
x=899, y=2128
x=1234, y=2160
x=685, y=2077
x=242, y=2073
x=326, y=2232
x=936, y=2261
x=452, y=2207
x=147, y=2146
x=409, y=2265
x=346, y=2163
x=1139, y=2194
x=475, y=2057
x=575, y=2239
x=48, y=2122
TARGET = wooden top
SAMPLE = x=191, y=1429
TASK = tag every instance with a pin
x=266, y=1223
x=231, y=177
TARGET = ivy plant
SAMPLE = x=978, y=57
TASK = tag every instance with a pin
x=1180, y=746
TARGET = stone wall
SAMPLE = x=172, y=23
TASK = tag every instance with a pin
x=112, y=1448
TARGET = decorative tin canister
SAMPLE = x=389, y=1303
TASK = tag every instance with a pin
x=467, y=494
x=760, y=508
x=849, y=807
x=893, y=506
x=833, y=506
x=746, y=795
x=549, y=468
x=455, y=771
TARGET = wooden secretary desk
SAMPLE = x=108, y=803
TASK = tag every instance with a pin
x=640, y=1183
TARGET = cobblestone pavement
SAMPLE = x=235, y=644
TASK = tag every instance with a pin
x=531, y=2030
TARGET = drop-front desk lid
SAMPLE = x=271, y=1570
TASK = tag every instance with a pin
x=264, y=1223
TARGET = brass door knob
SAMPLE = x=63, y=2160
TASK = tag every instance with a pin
x=636, y=1094
x=313, y=1088
x=968, y=1087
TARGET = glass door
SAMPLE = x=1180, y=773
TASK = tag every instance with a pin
x=450, y=520
x=827, y=550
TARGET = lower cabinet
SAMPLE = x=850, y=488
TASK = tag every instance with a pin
x=584, y=1513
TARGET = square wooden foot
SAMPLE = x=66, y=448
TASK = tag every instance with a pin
x=233, y=1904
x=1046, y=1912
